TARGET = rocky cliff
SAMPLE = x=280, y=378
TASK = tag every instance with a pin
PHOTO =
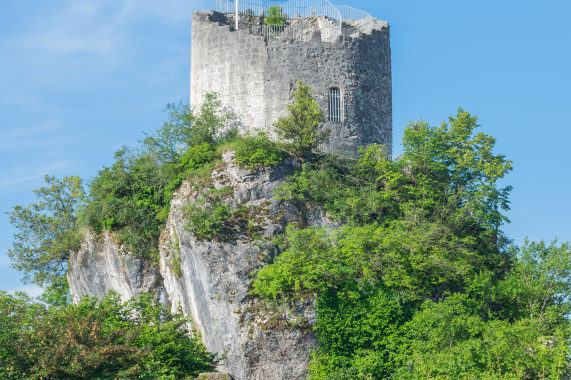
x=103, y=264
x=209, y=279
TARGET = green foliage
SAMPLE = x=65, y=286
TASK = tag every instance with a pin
x=215, y=219
x=57, y=293
x=196, y=158
x=419, y=282
x=538, y=285
x=186, y=127
x=127, y=197
x=459, y=335
x=132, y=197
x=349, y=191
x=259, y=150
x=363, y=347
x=208, y=222
x=302, y=127
x=421, y=259
x=208, y=121
x=47, y=230
x=447, y=173
x=274, y=16
x=450, y=339
x=453, y=171
x=174, y=136
x=104, y=339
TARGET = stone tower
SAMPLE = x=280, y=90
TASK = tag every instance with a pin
x=346, y=61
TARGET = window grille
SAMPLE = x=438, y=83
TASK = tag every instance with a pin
x=336, y=106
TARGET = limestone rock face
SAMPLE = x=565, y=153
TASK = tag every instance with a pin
x=102, y=265
x=210, y=279
x=215, y=276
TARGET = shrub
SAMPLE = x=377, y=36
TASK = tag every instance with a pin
x=127, y=197
x=217, y=220
x=186, y=127
x=104, y=339
x=259, y=150
x=207, y=122
x=208, y=221
x=133, y=196
x=274, y=16
x=302, y=127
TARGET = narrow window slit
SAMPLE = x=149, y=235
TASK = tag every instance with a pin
x=336, y=106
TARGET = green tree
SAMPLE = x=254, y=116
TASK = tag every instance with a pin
x=425, y=224
x=208, y=121
x=419, y=282
x=302, y=127
x=187, y=127
x=175, y=134
x=454, y=172
x=47, y=230
x=127, y=197
x=98, y=339
x=452, y=338
x=274, y=16
x=538, y=286
x=258, y=150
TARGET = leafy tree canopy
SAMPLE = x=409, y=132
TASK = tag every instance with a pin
x=186, y=127
x=302, y=127
x=132, y=197
x=105, y=339
x=274, y=16
x=47, y=230
x=418, y=281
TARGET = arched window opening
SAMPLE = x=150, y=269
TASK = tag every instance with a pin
x=336, y=105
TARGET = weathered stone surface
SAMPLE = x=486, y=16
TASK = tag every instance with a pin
x=102, y=265
x=215, y=277
x=213, y=376
x=212, y=281
x=255, y=78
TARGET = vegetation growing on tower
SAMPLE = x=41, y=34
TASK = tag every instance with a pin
x=302, y=127
x=274, y=16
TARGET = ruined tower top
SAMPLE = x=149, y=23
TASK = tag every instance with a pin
x=252, y=53
x=342, y=18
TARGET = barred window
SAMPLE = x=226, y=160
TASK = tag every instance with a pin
x=336, y=105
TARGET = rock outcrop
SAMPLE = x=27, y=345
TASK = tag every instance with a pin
x=214, y=279
x=103, y=264
x=210, y=279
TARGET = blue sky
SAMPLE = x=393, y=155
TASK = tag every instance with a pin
x=81, y=78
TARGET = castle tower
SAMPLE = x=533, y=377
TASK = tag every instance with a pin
x=342, y=53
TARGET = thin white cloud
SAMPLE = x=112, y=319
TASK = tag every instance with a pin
x=20, y=97
x=14, y=137
x=96, y=27
x=36, y=173
x=86, y=45
x=80, y=27
x=31, y=290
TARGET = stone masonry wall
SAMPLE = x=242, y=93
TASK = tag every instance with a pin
x=255, y=78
